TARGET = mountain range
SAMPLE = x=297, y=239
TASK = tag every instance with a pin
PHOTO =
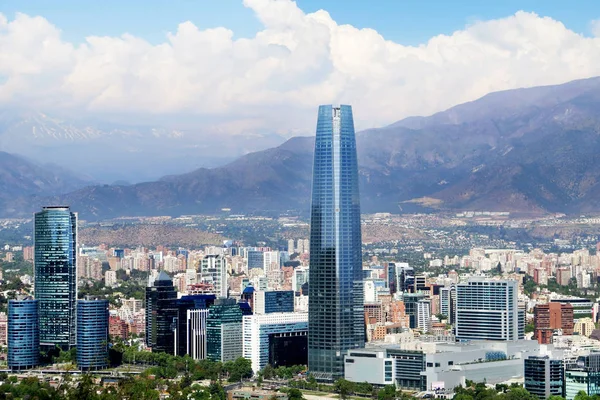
x=106, y=151
x=533, y=150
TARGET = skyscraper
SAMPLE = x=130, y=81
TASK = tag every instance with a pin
x=161, y=289
x=55, y=243
x=336, y=312
x=23, y=334
x=92, y=333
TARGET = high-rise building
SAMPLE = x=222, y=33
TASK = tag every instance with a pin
x=550, y=317
x=224, y=331
x=196, y=333
x=544, y=376
x=336, y=312
x=448, y=302
x=55, y=248
x=299, y=278
x=273, y=301
x=256, y=259
x=405, y=276
x=23, y=334
x=172, y=322
x=488, y=310
x=411, y=304
x=424, y=315
x=162, y=288
x=213, y=269
x=277, y=339
x=271, y=261
x=583, y=375
x=290, y=246
x=92, y=333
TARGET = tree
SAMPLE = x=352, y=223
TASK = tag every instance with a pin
x=268, y=372
x=582, y=396
x=519, y=393
x=294, y=394
x=343, y=387
x=387, y=393
x=555, y=397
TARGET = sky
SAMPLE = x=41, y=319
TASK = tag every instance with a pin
x=265, y=65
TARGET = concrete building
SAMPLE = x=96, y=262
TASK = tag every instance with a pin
x=550, y=317
x=488, y=310
x=584, y=326
x=278, y=339
x=213, y=270
x=443, y=366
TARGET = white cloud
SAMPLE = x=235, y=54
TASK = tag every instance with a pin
x=275, y=80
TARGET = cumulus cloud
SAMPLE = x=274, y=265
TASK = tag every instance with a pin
x=274, y=80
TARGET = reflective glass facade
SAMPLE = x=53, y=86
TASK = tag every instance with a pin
x=336, y=318
x=224, y=331
x=23, y=335
x=55, y=243
x=92, y=334
x=162, y=289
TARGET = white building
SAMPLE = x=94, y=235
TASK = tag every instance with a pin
x=110, y=278
x=259, y=329
x=270, y=261
x=196, y=333
x=213, y=270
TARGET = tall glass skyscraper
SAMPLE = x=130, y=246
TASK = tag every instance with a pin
x=336, y=311
x=161, y=289
x=23, y=335
x=92, y=333
x=55, y=244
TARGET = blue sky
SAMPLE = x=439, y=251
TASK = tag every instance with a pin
x=404, y=21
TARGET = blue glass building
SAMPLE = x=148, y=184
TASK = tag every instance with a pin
x=55, y=247
x=336, y=311
x=23, y=335
x=92, y=334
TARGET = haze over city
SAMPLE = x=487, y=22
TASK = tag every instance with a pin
x=312, y=199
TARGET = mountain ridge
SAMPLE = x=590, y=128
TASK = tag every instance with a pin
x=530, y=150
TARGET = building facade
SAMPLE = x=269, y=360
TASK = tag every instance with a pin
x=551, y=317
x=213, y=269
x=336, y=292
x=161, y=289
x=224, y=331
x=92, y=334
x=544, y=376
x=488, y=310
x=584, y=375
x=196, y=333
x=23, y=334
x=277, y=339
x=55, y=270
x=273, y=301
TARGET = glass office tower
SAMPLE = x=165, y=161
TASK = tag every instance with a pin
x=92, y=333
x=23, y=335
x=161, y=289
x=336, y=318
x=55, y=247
